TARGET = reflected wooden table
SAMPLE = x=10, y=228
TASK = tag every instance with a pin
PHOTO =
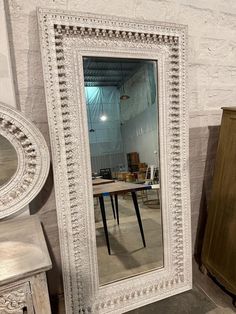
x=115, y=189
x=100, y=181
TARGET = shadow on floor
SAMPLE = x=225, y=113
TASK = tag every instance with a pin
x=190, y=302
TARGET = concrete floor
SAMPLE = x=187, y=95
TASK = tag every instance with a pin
x=206, y=297
x=129, y=257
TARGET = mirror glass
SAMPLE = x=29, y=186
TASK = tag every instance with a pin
x=8, y=161
x=122, y=111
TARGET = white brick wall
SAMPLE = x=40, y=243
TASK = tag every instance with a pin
x=7, y=93
x=212, y=43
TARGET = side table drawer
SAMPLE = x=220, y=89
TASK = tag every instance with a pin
x=16, y=299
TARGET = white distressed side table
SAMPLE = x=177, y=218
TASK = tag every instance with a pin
x=24, y=260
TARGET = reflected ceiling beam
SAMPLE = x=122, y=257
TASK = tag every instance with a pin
x=110, y=68
x=99, y=84
x=101, y=79
x=104, y=73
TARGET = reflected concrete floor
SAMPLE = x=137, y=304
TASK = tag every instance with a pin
x=206, y=297
x=128, y=256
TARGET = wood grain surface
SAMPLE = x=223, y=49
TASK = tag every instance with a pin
x=102, y=181
x=219, y=249
x=23, y=251
x=118, y=188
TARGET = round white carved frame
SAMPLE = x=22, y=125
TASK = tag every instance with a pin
x=32, y=164
x=66, y=37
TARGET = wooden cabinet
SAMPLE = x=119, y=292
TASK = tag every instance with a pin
x=24, y=259
x=219, y=248
x=133, y=161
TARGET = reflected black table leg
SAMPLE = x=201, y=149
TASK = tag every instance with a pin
x=102, y=207
x=113, y=208
x=117, y=209
x=134, y=197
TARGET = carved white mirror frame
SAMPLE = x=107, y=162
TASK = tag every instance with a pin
x=65, y=38
x=32, y=161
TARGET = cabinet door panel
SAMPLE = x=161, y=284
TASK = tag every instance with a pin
x=16, y=299
x=219, y=251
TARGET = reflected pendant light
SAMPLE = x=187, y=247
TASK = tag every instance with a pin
x=123, y=96
x=89, y=112
x=103, y=117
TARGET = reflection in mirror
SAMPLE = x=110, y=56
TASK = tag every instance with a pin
x=8, y=161
x=121, y=99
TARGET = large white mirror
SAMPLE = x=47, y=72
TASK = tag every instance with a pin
x=117, y=113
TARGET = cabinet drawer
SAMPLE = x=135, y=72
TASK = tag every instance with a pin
x=16, y=299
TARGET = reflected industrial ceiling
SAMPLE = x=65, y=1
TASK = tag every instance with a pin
x=109, y=71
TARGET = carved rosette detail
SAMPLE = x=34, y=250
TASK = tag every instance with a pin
x=72, y=30
x=63, y=36
x=9, y=127
x=13, y=302
x=32, y=164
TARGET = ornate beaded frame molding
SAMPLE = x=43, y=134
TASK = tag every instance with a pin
x=65, y=38
x=33, y=161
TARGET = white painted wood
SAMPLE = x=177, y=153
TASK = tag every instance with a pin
x=24, y=259
x=30, y=293
x=15, y=297
x=23, y=250
x=7, y=90
x=33, y=161
x=65, y=38
x=40, y=296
